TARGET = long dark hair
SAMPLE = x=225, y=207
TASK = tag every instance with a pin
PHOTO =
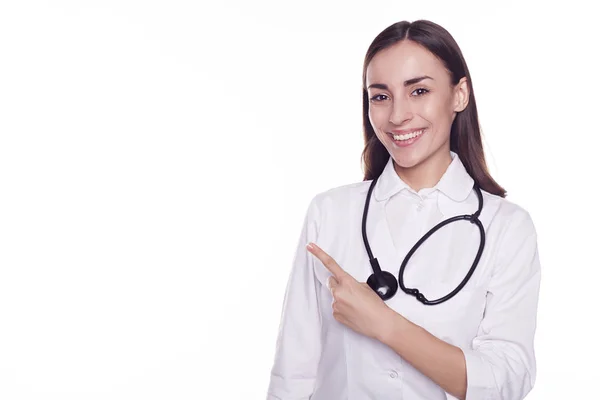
x=465, y=135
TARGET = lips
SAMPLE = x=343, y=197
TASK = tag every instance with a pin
x=408, y=136
x=407, y=139
x=405, y=131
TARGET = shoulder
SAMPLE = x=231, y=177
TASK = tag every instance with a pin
x=335, y=205
x=512, y=223
x=341, y=197
x=507, y=210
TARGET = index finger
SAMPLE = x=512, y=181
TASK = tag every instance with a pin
x=329, y=263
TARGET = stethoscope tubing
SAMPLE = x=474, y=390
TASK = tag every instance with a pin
x=378, y=273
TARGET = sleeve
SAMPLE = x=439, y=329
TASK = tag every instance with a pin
x=298, y=347
x=501, y=362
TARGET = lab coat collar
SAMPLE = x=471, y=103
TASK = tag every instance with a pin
x=455, y=183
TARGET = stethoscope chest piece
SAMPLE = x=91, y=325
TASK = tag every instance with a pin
x=385, y=285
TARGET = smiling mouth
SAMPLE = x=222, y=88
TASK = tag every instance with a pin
x=407, y=136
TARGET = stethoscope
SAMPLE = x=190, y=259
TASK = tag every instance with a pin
x=386, y=285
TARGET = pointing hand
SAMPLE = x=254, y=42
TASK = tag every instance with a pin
x=354, y=304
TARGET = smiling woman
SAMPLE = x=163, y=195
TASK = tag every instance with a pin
x=346, y=332
x=416, y=79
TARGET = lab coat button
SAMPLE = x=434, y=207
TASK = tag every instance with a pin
x=393, y=374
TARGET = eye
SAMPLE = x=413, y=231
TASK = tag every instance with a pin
x=423, y=91
x=376, y=98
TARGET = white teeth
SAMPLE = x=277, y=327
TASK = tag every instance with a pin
x=408, y=135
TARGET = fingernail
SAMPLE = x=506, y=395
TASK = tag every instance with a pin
x=309, y=246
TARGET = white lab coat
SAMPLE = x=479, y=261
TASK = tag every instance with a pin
x=493, y=318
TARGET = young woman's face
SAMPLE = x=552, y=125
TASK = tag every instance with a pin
x=409, y=90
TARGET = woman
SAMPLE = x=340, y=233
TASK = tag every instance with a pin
x=343, y=338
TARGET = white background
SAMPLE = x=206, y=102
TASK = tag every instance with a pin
x=157, y=159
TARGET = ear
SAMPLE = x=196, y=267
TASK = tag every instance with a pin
x=461, y=95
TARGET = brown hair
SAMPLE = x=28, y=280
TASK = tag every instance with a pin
x=465, y=135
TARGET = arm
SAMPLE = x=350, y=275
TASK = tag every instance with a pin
x=500, y=364
x=441, y=362
x=298, y=347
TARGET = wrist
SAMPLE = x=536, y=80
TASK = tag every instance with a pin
x=391, y=326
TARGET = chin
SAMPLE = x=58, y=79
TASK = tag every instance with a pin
x=418, y=153
x=405, y=161
x=406, y=158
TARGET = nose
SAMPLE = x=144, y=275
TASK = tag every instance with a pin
x=400, y=112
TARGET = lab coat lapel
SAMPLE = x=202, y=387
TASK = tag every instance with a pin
x=380, y=241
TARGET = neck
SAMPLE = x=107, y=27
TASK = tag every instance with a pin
x=425, y=174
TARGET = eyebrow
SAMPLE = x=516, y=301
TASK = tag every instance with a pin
x=408, y=82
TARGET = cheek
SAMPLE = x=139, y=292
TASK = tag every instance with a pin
x=431, y=110
x=437, y=114
x=378, y=116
